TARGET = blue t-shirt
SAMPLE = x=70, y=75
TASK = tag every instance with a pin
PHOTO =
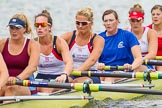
x=117, y=49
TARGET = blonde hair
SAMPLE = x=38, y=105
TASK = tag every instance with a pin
x=87, y=12
x=25, y=19
x=137, y=8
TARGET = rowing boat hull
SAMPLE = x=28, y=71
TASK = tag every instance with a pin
x=71, y=103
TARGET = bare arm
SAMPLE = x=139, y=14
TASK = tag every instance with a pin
x=137, y=57
x=152, y=44
x=34, y=51
x=67, y=58
x=98, y=44
x=3, y=72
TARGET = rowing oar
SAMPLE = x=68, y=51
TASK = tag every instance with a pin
x=145, y=62
x=19, y=98
x=137, y=75
x=153, y=62
x=85, y=87
x=103, y=83
x=127, y=85
x=158, y=58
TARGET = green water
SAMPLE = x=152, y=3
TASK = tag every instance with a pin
x=145, y=101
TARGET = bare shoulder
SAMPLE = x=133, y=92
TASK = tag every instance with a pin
x=33, y=43
x=99, y=38
x=67, y=36
x=152, y=33
x=2, y=43
x=59, y=39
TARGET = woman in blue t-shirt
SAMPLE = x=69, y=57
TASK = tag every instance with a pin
x=121, y=46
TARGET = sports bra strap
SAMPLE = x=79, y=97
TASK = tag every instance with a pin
x=54, y=45
x=91, y=41
x=73, y=37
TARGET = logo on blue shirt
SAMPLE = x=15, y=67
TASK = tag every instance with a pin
x=121, y=44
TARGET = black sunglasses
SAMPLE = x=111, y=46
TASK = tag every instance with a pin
x=82, y=23
x=14, y=27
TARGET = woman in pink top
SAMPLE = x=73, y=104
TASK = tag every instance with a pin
x=20, y=54
x=156, y=13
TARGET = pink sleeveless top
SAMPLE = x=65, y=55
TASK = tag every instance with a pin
x=16, y=63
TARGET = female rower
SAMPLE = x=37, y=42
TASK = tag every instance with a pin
x=20, y=54
x=156, y=13
x=55, y=60
x=121, y=46
x=85, y=45
x=146, y=37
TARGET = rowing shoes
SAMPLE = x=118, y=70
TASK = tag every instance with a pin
x=86, y=87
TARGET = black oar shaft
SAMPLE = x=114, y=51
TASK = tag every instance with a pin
x=90, y=87
x=132, y=90
x=153, y=62
x=137, y=75
x=145, y=62
x=43, y=84
x=102, y=74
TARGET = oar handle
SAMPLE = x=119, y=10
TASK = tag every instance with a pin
x=158, y=58
x=145, y=62
x=152, y=62
x=113, y=68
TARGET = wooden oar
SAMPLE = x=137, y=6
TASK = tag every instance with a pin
x=19, y=98
x=86, y=88
x=137, y=75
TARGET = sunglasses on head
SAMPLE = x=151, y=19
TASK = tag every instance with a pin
x=135, y=20
x=43, y=24
x=82, y=23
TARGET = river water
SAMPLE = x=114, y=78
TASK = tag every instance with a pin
x=63, y=13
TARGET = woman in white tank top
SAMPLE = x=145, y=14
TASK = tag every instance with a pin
x=55, y=60
x=146, y=37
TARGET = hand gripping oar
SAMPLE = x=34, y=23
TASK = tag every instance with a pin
x=86, y=87
x=145, y=62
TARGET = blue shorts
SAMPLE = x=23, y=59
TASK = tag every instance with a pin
x=33, y=90
x=96, y=80
x=151, y=67
x=48, y=77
